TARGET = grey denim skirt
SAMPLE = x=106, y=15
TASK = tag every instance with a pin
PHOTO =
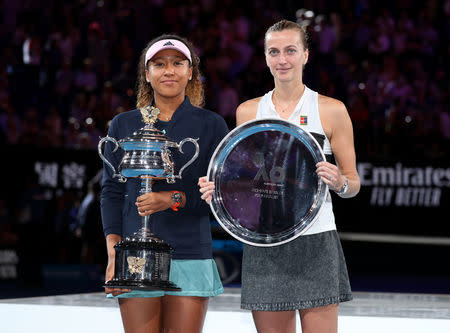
x=307, y=272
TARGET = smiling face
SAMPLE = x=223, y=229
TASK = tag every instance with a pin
x=285, y=55
x=168, y=72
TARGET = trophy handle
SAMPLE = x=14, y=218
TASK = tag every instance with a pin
x=197, y=149
x=121, y=178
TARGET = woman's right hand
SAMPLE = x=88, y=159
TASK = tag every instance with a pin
x=206, y=189
x=109, y=276
x=112, y=240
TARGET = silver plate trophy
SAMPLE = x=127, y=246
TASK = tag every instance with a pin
x=267, y=191
x=142, y=260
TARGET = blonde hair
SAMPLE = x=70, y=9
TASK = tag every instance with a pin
x=194, y=88
x=288, y=25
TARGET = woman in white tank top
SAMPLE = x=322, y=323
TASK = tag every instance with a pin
x=277, y=281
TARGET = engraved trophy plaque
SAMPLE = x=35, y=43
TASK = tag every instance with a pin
x=142, y=260
x=267, y=191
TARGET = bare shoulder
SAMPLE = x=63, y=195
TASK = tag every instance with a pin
x=331, y=107
x=249, y=106
x=334, y=117
x=247, y=110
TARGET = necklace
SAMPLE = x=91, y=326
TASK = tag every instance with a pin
x=164, y=117
x=283, y=109
x=287, y=107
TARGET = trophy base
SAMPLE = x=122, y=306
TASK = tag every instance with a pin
x=142, y=285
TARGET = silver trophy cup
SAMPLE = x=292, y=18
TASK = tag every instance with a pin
x=142, y=260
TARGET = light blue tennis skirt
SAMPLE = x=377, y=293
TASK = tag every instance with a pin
x=195, y=278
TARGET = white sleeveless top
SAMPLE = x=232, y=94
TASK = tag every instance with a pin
x=306, y=115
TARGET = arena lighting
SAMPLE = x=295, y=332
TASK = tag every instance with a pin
x=319, y=18
x=26, y=51
x=306, y=17
x=303, y=14
x=309, y=14
x=89, y=121
x=361, y=86
x=300, y=12
x=74, y=122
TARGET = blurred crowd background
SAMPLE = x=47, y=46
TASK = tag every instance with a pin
x=68, y=67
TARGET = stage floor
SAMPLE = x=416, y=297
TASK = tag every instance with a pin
x=368, y=312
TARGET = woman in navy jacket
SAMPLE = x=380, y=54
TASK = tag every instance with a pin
x=169, y=79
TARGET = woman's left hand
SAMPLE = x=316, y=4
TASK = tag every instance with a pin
x=331, y=175
x=153, y=202
x=206, y=189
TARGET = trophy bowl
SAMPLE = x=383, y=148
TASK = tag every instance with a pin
x=267, y=191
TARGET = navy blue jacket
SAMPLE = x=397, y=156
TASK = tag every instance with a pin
x=188, y=229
